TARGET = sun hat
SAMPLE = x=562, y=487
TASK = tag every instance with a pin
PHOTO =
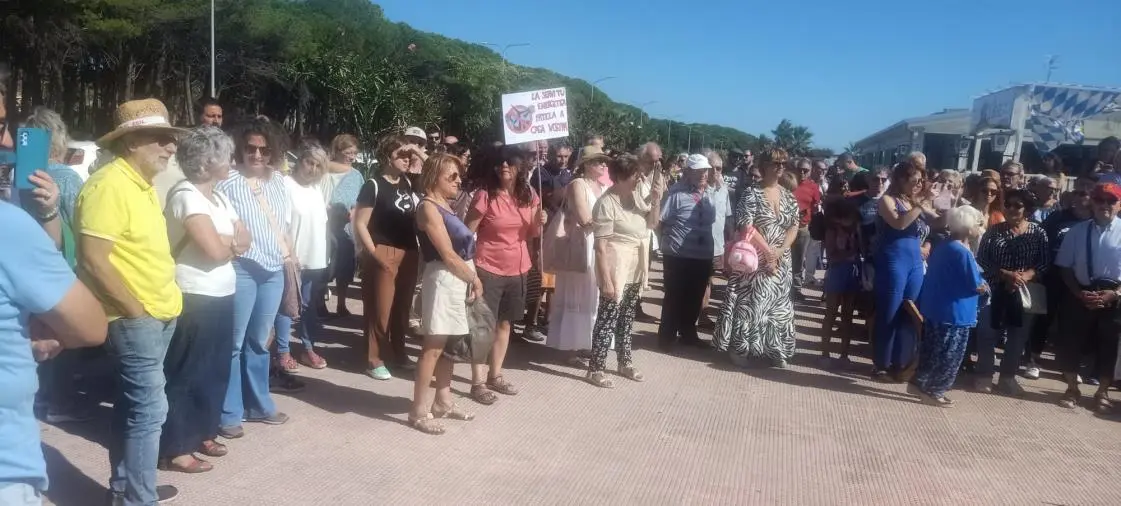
x=697, y=162
x=591, y=154
x=416, y=132
x=139, y=115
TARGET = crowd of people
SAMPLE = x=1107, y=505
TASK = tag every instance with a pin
x=194, y=283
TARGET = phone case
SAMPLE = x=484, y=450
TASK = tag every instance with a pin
x=32, y=152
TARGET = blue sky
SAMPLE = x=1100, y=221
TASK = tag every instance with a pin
x=843, y=68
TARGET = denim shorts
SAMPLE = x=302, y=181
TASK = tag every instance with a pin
x=19, y=494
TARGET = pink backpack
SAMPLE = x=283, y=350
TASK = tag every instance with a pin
x=741, y=256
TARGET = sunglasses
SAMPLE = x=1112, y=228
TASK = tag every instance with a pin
x=403, y=155
x=1010, y=175
x=991, y=193
x=1105, y=201
x=262, y=150
x=1013, y=205
x=453, y=177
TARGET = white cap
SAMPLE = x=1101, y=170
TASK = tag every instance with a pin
x=697, y=162
x=416, y=132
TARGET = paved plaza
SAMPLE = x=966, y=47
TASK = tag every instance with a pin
x=696, y=432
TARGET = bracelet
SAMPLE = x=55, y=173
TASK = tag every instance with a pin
x=46, y=217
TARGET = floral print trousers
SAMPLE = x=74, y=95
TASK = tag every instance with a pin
x=940, y=353
x=614, y=318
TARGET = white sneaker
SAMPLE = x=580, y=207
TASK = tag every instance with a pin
x=1032, y=372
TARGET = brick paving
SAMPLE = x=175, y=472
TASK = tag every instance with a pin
x=696, y=432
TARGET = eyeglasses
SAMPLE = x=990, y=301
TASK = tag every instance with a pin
x=1010, y=175
x=1013, y=205
x=263, y=150
x=453, y=177
x=991, y=193
x=1105, y=201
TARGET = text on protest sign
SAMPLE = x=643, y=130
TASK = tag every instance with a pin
x=534, y=115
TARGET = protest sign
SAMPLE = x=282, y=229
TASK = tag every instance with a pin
x=534, y=115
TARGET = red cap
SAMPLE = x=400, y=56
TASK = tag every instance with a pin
x=1109, y=189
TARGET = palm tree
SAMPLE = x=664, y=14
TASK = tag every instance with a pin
x=795, y=139
x=852, y=149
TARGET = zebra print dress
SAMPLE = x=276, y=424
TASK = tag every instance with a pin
x=757, y=317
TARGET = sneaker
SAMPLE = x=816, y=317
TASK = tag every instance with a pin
x=380, y=373
x=534, y=335
x=71, y=416
x=235, y=432
x=277, y=418
x=1092, y=381
x=1010, y=387
x=983, y=384
x=1032, y=372
x=285, y=383
x=166, y=493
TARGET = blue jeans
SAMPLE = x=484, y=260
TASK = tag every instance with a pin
x=19, y=494
x=138, y=347
x=987, y=338
x=255, y=306
x=311, y=282
x=197, y=373
x=899, y=275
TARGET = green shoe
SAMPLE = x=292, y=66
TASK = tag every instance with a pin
x=380, y=373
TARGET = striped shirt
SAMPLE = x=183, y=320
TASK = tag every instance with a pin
x=265, y=248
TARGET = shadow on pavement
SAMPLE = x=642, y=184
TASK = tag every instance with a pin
x=829, y=382
x=338, y=399
x=69, y=486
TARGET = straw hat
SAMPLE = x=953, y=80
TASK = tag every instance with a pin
x=592, y=154
x=138, y=115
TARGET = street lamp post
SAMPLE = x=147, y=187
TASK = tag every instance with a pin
x=669, y=130
x=505, y=49
x=689, y=147
x=597, y=81
x=642, y=110
x=213, y=66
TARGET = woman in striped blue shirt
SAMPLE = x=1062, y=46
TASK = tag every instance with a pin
x=258, y=194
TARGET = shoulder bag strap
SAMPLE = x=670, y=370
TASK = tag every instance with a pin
x=262, y=200
x=1089, y=252
x=177, y=189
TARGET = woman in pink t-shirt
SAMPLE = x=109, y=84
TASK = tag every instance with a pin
x=504, y=214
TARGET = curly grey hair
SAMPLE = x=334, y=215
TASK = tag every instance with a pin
x=47, y=119
x=201, y=150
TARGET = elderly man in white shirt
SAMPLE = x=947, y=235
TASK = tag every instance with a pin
x=1090, y=258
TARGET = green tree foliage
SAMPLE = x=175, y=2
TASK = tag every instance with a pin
x=318, y=66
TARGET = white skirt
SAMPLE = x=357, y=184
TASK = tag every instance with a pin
x=443, y=301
